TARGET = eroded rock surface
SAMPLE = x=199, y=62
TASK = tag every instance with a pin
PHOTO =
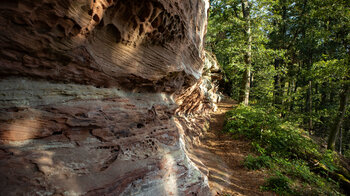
x=135, y=44
x=103, y=97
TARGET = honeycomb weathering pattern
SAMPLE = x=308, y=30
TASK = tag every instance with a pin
x=102, y=97
x=135, y=44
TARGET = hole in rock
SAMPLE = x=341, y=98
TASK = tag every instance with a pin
x=140, y=125
x=144, y=13
x=81, y=115
x=113, y=33
x=60, y=30
x=76, y=29
x=90, y=12
x=117, y=147
x=96, y=18
x=156, y=22
x=42, y=27
x=134, y=22
x=141, y=29
x=57, y=133
x=161, y=29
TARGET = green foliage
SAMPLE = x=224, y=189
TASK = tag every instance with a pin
x=279, y=183
x=297, y=169
x=293, y=43
x=347, y=154
x=300, y=65
x=226, y=38
x=259, y=162
x=285, y=149
x=270, y=133
x=329, y=159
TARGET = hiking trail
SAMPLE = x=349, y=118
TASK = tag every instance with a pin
x=223, y=156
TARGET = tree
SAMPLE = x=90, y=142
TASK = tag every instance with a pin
x=245, y=87
x=297, y=51
x=344, y=97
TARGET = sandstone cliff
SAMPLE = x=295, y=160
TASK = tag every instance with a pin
x=103, y=97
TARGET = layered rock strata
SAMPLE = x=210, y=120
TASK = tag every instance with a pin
x=102, y=97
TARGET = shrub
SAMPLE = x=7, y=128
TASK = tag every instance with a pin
x=255, y=163
x=347, y=154
x=297, y=169
x=285, y=149
x=269, y=133
x=279, y=184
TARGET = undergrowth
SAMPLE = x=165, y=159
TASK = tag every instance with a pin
x=297, y=165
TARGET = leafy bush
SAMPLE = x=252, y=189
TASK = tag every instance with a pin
x=268, y=131
x=285, y=149
x=255, y=163
x=329, y=160
x=296, y=169
x=347, y=154
x=279, y=184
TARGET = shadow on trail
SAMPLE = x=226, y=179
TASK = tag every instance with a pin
x=223, y=157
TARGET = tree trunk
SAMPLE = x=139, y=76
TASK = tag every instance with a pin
x=293, y=99
x=244, y=96
x=245, y=87
x=323, y=96
x=251, y=80
x=340, y=141
x=340, y=117
x=310, y=106
x=278, y=85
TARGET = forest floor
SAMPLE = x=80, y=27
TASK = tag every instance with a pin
x=223, y=156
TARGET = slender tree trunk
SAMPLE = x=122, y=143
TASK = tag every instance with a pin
x=277, y=85
x=340, y=140
x=244, y=96
x=289, y=92
x=245, y=87
x=293, y=99
x=289, y=89
x=323, y=96
x=251, y=80
x=340, y=117
x=310, y=106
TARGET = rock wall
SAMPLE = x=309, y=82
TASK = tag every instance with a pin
x=103, y=97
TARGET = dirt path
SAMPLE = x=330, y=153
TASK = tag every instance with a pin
x=223, y=156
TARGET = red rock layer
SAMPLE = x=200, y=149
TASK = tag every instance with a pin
x=99, y=97
x=142, y=45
